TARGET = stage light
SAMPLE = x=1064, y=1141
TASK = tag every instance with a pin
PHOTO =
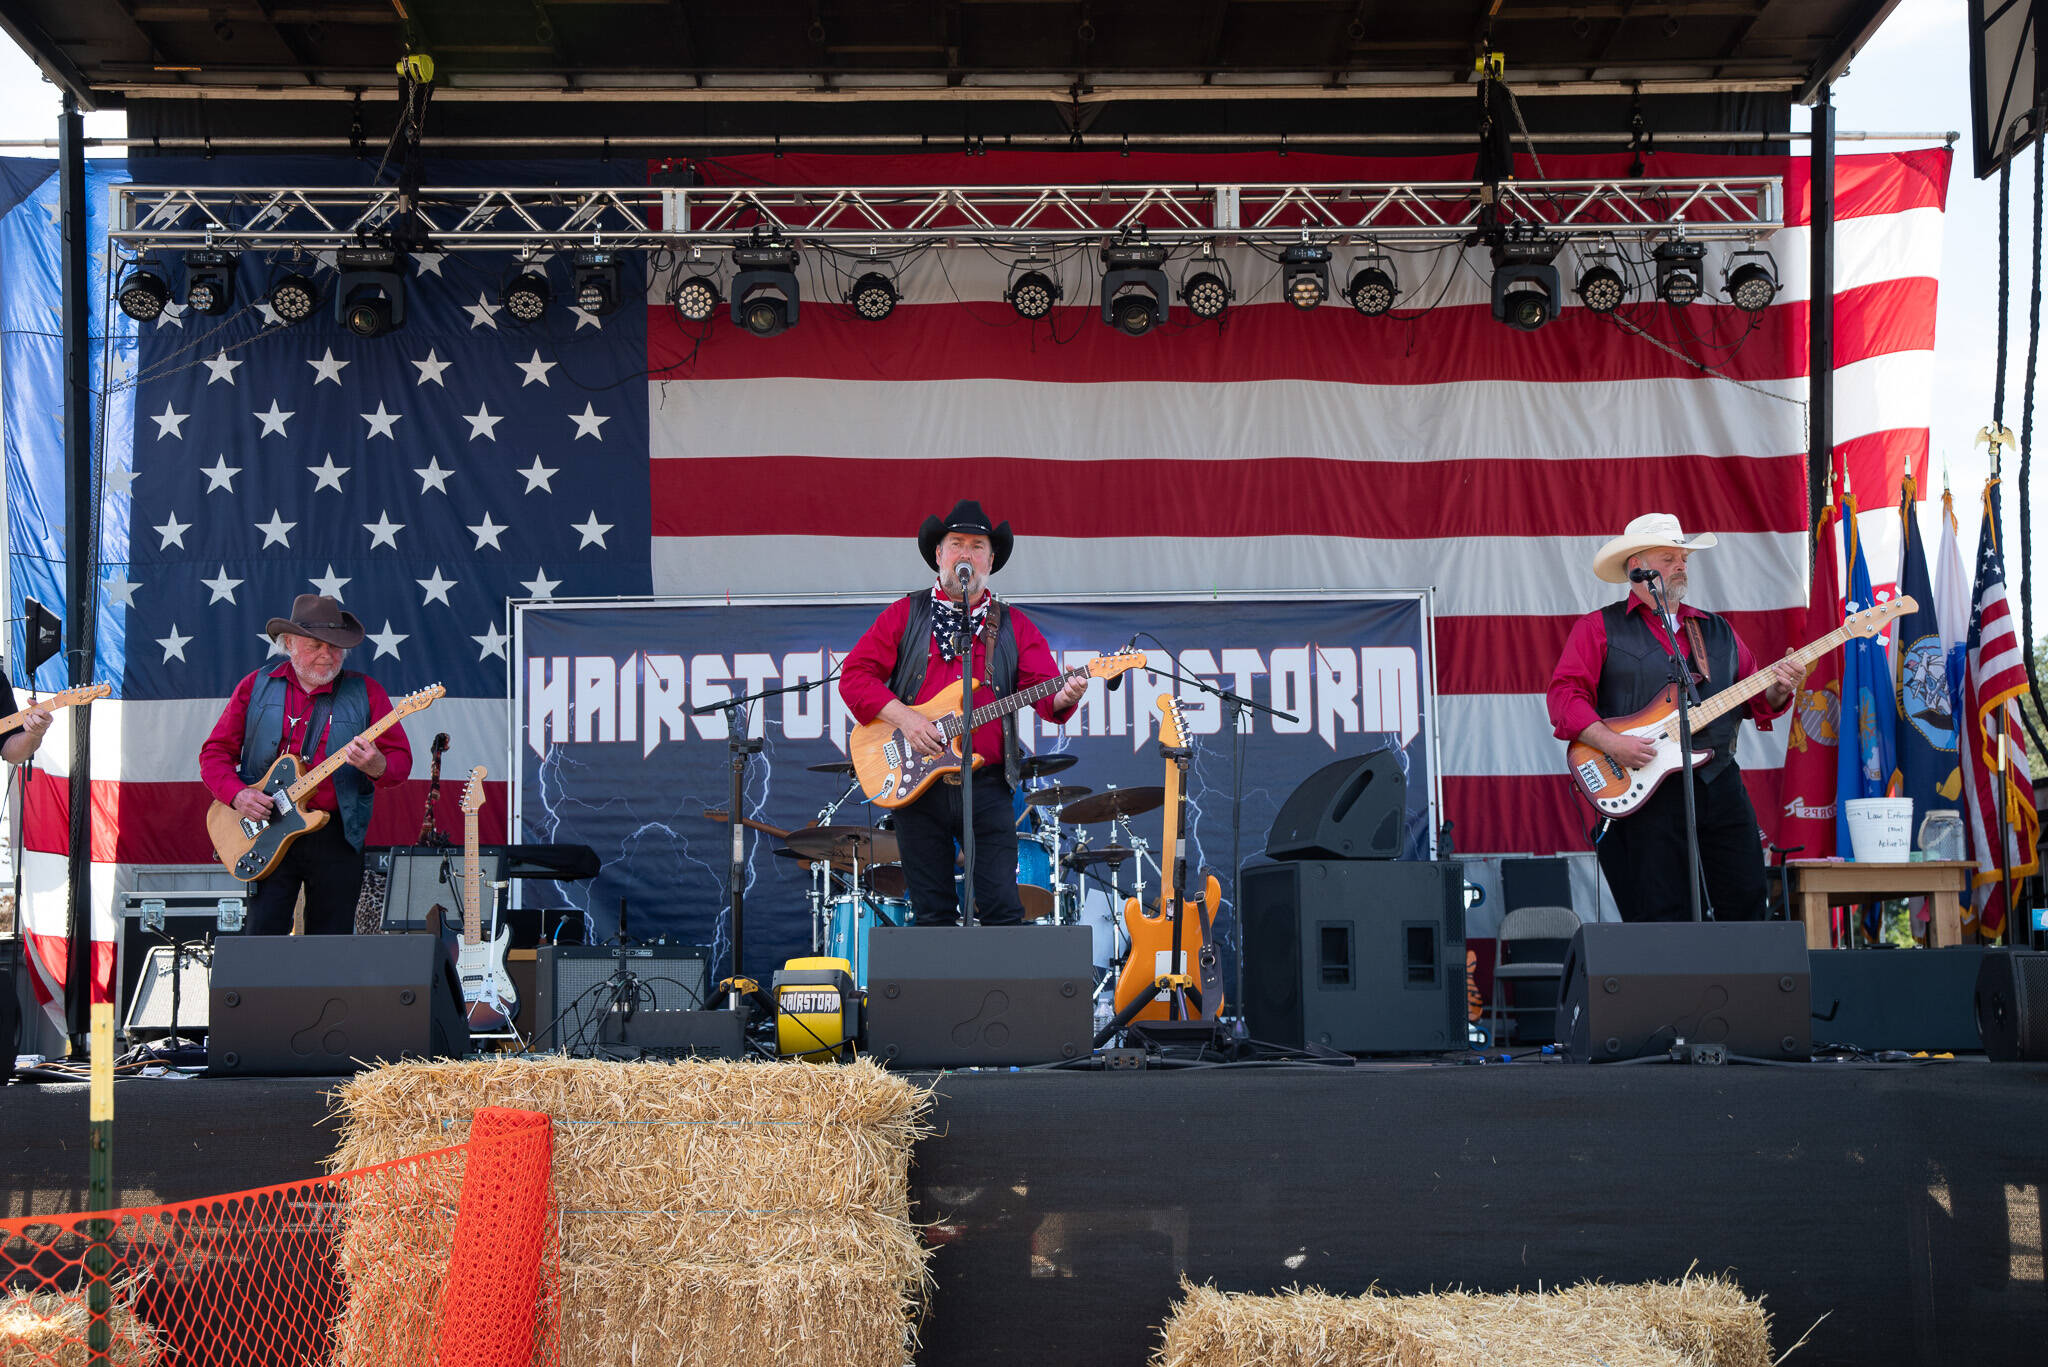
x=1133, y=287
x=1601, y=289
x=595, y=284
x=294, y=299
x=209, y=281
x=1373, y=288
x=696, y=299
x=1032, y=293
x=1752, y=284
x=1679, y=271
x=1526, y=289
x=369, y=300
x=1305, y=274
x=765, y=299
x=143, y=295
x=1205, y=289
x=873, y=296
x=528, y=296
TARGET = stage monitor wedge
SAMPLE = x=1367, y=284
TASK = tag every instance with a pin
x=329, y=1005
x=1634, y=991
x=1355, y=808
x=989, y=996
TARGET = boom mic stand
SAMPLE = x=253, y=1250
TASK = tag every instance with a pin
x=966, y=647
x=1688, y=697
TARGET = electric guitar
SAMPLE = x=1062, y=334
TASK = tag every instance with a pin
x=1153, y=931
x=490, y=1000
x=1614, y=789
x=248, y=848
x=80, y=696
x=892, y=774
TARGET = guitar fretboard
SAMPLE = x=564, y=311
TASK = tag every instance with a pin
x=1740, y=692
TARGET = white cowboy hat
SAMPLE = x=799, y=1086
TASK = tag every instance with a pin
x=1646, y=533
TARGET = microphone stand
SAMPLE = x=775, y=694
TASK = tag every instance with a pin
x=741, y=744
x=966, y=648
x=1688, y=696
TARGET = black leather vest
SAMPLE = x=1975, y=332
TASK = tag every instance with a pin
x=999, y=662
x=1637, y=670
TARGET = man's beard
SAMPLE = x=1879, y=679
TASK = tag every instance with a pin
x=313, y=676
x=1674, y=589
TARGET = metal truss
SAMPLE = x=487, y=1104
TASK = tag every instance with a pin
x=1744, y=208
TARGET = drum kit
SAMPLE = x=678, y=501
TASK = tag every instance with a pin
x=1064, y=876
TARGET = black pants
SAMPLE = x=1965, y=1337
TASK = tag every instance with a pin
x=928, y=831
x=328, y=868
x=1643, y=854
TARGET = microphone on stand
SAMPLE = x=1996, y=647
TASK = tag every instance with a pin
x=964, y=572
x=1643, y=574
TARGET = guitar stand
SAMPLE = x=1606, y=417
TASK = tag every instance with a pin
x=511, y=1030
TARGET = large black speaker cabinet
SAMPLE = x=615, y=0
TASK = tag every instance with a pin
x=1364, y=956
x=571, y=999
x=2012, y=1005
x=1634, y=990
x=1897, y=998
x=10, y=1007
x=1353, y=809
x=959, y=996
x=327, y=1005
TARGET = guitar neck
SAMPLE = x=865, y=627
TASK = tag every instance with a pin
x=1169, y=839
x=472, y=882
x=320, y=772
x=1736, y=694
x=1004, y=706
x=70, y=697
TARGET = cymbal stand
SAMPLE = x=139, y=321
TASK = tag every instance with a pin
x=830, y=809
x=820, y=896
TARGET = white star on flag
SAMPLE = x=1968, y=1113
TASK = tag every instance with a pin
x=222, y=586
x=538, y=475
x=482, y=424
x=327, y=475
x=431, y=368
x=429, y=263
x=273, y=421
x=121, y=589
x=540, y=586
x=219, y=367
x=387, y=641
x=381, y=422
x=221, y=475
x=586, y=319
x=170, y=423
x=384, y=532
x=327, y=368
x=587, y=422
x=329, y=584
x=121, y=481
x=437, y=588
x=275, y=532
x=173, y=644
x=268, y=314
x=173, y=533
x=487, y=530
x=483, y=313
x=492, y=642
x=593, y=531
x=535, y=370
x=172, y=316
x=432, y=476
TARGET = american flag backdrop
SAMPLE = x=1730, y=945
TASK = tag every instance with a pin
x=427, y=476
x=1994, y=680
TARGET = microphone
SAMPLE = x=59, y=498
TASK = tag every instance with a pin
x=1643, y=574
x=964, y=572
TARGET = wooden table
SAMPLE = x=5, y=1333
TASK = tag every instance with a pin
x=1818, y=884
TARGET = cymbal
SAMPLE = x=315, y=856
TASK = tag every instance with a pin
x=1113, y=803
x=870, y=846
x=843, y=767
x=1108, y=854
x=1038, y=766
x=1057, y=795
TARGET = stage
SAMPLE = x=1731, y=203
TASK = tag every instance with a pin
x=1895, y=1212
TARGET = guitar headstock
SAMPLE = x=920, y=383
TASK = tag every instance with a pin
x=473, y=791
x=1173, y=727
x=1872, y=620
x=1109, y=666
x=84, y=693
x=413, y=702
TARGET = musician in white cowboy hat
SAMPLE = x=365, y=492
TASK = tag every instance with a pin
x=910, y=655
x=314, y=706
x=1615, y=662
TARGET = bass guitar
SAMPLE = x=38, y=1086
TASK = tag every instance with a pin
x=1166, y=938
x=1615, y=790
x=892, y=774
x=70, y=697
x=248, y=848
x=489, y=999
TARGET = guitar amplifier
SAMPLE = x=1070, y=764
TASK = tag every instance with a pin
x=417, y=878
x=571, y=1000
x=150, y=920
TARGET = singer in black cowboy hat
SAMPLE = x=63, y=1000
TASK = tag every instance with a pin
x=908, y=656
x=315, y=707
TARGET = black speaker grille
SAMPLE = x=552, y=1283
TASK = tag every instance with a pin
x=569, y=981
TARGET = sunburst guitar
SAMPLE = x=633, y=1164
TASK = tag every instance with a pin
x=1153, y=954
x=489, y=999
x=1616, y=790
x=247, y=848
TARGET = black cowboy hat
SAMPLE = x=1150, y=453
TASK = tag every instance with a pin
x=320, y=617
x=966, y=516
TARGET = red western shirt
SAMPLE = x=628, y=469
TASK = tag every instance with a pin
x=220, y=758
x=1575, y=683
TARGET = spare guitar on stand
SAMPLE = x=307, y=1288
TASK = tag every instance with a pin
x=489, y=1000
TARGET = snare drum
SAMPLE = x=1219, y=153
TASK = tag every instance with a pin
x=849, y=921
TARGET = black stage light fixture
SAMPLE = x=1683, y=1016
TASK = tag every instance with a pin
x=1205, y=288
x=595, y=286
x=1751, y=281
x=1601, y=288
x=696, y=299
x=143, y=294
x=1031, y=291
x=369, y=300
x=1374, y=286
x=873, y=296
x=1134, y=289
x=294, y=298
x=765, y=300
x=1526, y=289
x=1305, y=274
x=1679, y=270
x=209, y=280
x=528, y=296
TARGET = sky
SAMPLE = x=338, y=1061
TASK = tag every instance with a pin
x=1914, y=76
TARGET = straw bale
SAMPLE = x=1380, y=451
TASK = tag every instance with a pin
x=1694, y=1322
x=49, y=1330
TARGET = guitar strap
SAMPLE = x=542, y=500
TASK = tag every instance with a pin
x=316, y=726
x=1700, y=660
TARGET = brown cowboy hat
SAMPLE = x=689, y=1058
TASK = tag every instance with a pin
x=966, y=516
x=320, y=617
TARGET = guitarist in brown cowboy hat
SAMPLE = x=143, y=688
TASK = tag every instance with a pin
x=908, y=656
x=315, y=707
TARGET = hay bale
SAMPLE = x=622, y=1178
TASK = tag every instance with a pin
x=697, y=1202
x=49, y=1329
x=1694, y=1322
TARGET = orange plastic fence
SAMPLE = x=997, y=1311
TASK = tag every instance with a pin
x=446, y=1258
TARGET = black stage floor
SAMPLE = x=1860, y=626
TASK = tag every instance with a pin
x=1900, y=1208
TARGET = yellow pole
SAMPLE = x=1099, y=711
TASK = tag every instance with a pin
x=99, y=1259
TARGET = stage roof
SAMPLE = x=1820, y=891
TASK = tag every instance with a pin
x=109, y=52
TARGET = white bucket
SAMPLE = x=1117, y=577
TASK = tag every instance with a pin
x=1880, y=829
